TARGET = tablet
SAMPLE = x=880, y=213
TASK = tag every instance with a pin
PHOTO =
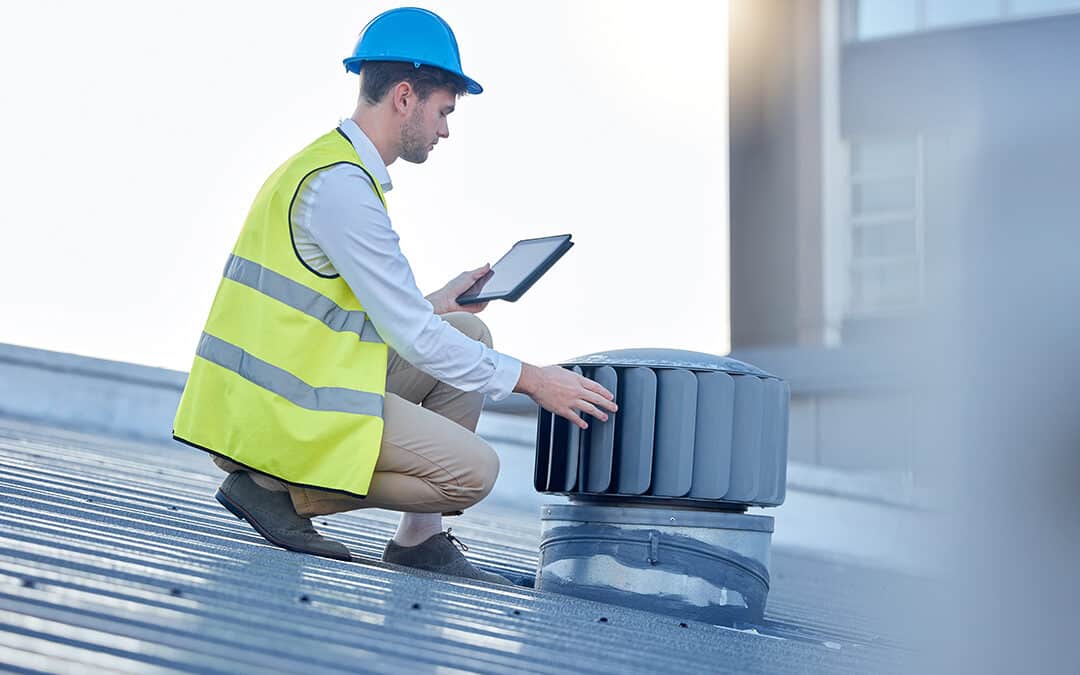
x=518, y=270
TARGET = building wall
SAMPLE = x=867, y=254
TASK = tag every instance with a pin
x=996, y=106
x=994, y=109
x=854, y=409
x=775, y=191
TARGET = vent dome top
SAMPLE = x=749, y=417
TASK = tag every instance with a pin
x=668, y=358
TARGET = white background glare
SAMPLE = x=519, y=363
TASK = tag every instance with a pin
x=135, y=135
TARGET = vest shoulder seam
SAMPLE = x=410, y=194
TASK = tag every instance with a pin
x=296, y=194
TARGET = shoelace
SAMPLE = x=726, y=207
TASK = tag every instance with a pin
x=455, y=540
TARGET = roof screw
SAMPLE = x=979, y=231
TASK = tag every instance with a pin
x=416, y=605
x=683, y=625
x=29, y=583
x=517, y=612
x=602, y=619
x=672, y=519
x=175, y=592
x=305, y=599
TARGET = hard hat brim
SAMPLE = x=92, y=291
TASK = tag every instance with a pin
x=353, y=63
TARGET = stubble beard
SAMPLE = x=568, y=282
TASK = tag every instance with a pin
x=414, y=147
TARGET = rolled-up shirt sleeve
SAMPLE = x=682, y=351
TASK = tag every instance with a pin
x=348, y=222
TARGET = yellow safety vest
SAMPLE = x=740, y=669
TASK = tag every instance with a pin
x=289, y=375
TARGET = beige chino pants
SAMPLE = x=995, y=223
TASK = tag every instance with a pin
x=430, y=461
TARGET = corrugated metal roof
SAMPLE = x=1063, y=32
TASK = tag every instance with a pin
x=114, y=556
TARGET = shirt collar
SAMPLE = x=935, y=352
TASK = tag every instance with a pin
x=369, y=156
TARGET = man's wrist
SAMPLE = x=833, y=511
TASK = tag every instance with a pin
x=528, y=381
x=435, y=303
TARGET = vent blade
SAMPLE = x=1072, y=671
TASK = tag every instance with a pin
x=560, y=439
x=634, y=430
x=543, y=450
x=773, y=439
x=781, y=474
x=573, y=453
x=599, y=447
x=676, y=418
x=746, y=439
x=712, y=435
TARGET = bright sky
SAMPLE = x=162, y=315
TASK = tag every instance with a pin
x=134, y=136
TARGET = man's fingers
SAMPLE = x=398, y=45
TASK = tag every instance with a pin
x=600, y=400
x=473, y=309
x=590, y=409
x=593, y=385
x=599, y=395
x=574, y=418
x=565, y=393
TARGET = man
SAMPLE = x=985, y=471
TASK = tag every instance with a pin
x=324, y=381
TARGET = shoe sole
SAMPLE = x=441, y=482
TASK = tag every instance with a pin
x=410, y=569
x=241, y=514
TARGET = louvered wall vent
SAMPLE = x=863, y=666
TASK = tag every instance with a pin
x=697, y=429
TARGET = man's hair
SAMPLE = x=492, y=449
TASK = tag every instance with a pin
x=378, y=77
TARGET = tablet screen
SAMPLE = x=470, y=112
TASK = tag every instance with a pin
x=514, y=267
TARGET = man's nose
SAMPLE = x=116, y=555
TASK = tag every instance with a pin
x=444, y=131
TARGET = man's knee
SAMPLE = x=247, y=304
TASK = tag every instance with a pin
x=226, y=465
x=471, y=325
x=488, y=470
x=262, y=480
x=477, y=482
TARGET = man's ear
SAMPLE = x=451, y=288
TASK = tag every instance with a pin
x=403, y=97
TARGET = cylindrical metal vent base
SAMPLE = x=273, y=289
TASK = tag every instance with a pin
x=706, y=566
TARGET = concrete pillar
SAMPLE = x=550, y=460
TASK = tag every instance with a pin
x=775, y=131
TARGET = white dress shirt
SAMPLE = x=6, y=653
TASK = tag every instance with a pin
x=339, y=226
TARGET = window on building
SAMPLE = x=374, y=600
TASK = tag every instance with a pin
x=874, y=19
x=1021, y=7
x=882, y=18
x=885, y=221
x=941, y=13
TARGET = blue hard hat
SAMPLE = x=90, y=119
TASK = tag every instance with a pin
x=411, y=35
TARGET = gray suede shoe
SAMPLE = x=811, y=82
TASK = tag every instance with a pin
x=440, y=554
x=272, y=515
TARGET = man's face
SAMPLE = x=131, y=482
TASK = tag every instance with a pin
x=426, y=125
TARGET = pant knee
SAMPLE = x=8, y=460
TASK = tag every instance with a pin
x=478, y=481
x=488, y=471
x=470, y=325
x=226, y=465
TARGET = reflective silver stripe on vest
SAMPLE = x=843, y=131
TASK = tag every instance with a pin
x=300, y=297
x=285, y=384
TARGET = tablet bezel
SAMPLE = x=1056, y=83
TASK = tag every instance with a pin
x=531, y=278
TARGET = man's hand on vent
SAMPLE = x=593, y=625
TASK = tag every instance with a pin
x=566, y=393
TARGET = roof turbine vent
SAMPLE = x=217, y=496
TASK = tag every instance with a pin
x=658, y=493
